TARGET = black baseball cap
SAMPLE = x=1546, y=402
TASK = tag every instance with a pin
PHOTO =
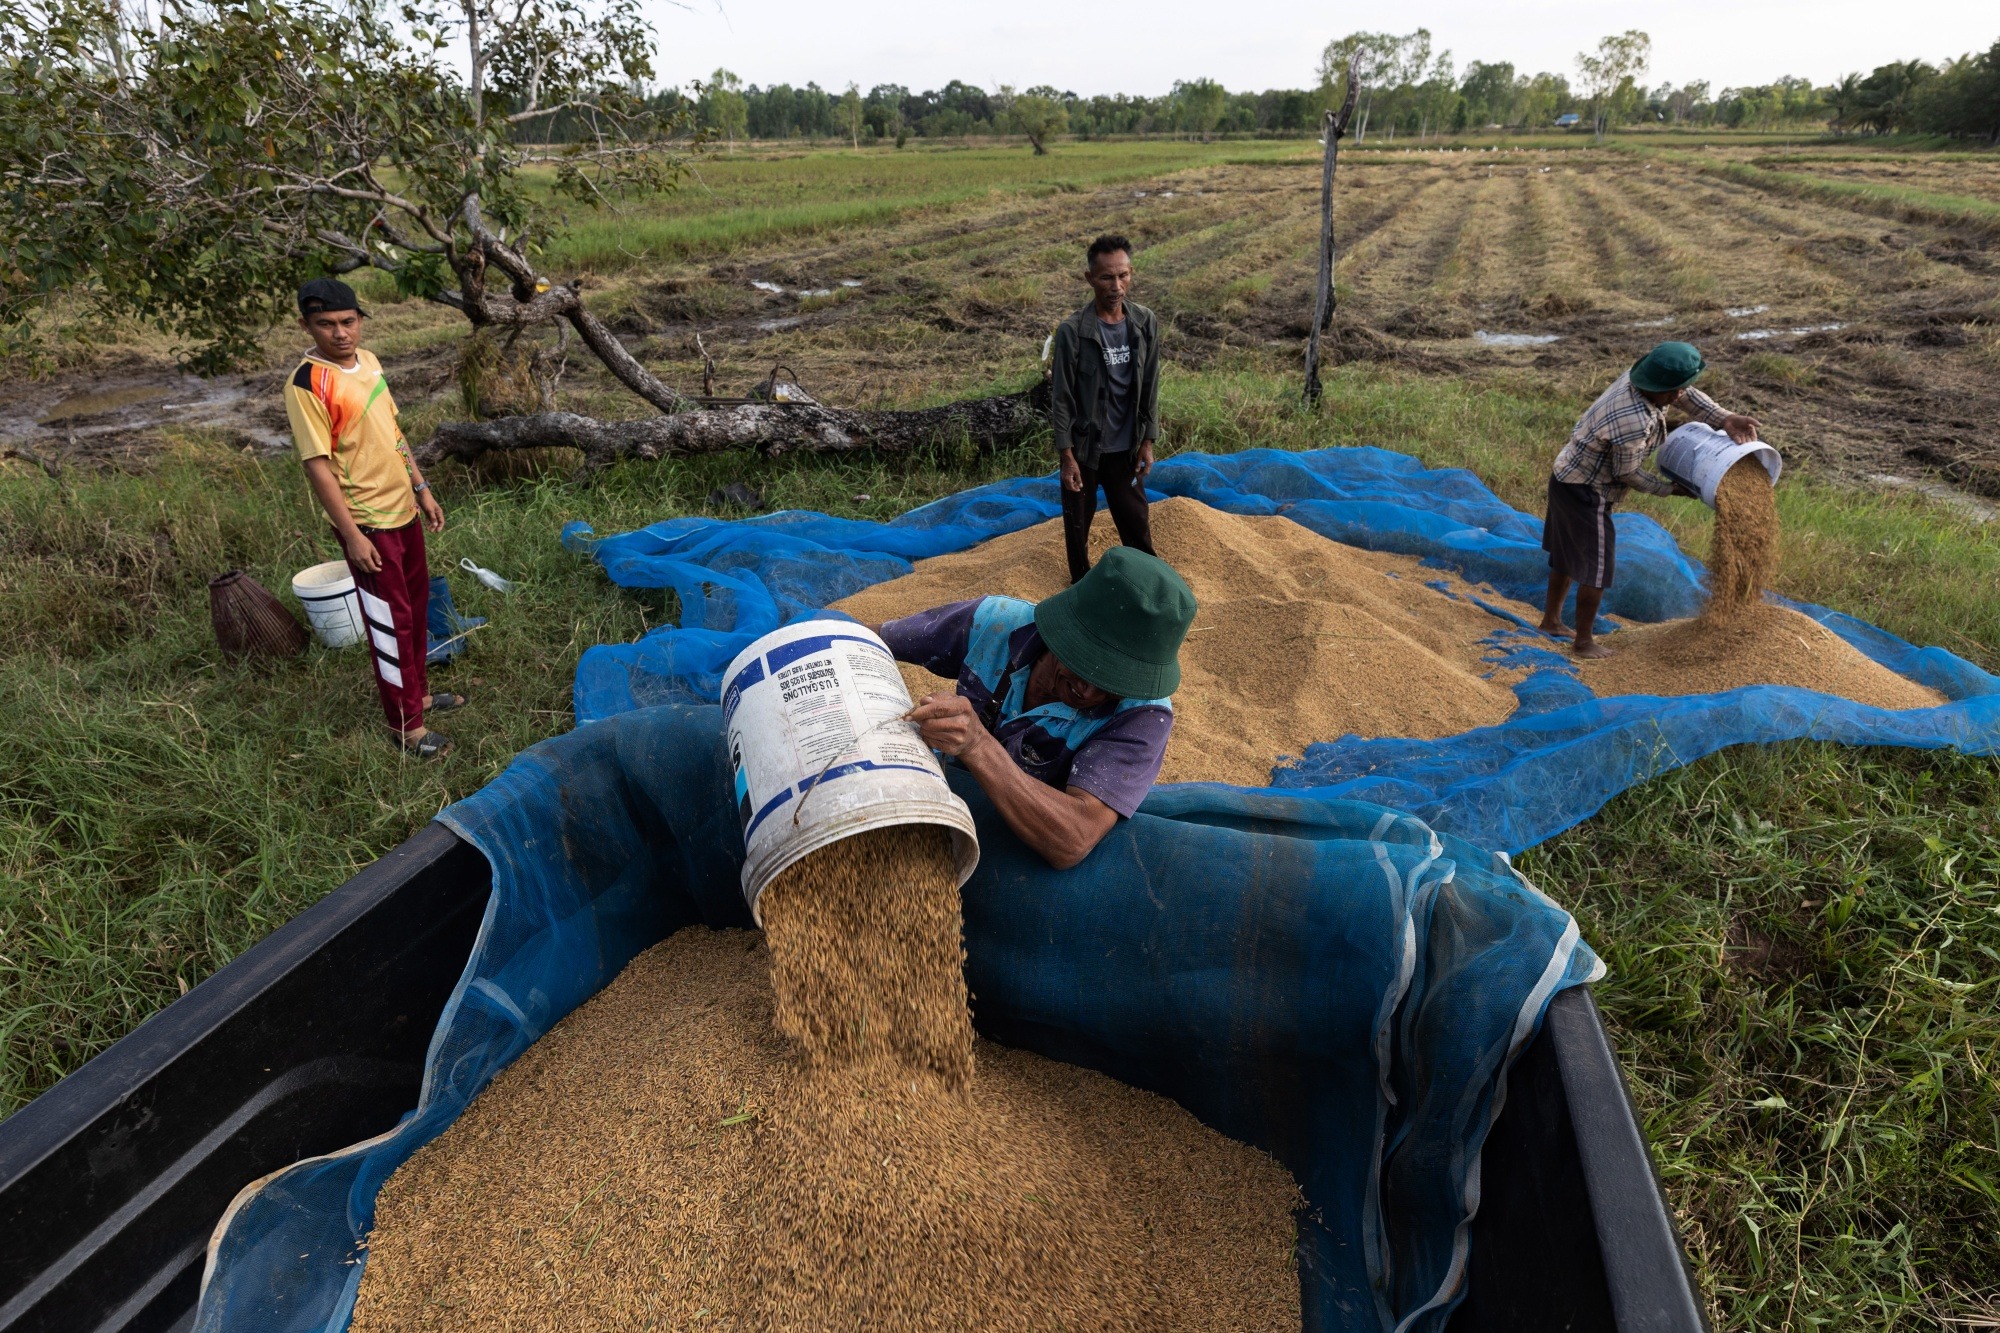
x=325, y=295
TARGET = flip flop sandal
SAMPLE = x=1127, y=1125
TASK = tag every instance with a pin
x=427, y=746
x=446, y=701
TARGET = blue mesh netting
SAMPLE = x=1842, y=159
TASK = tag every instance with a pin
x=1331, y=981
x=1563, y=754
x=1322, y=976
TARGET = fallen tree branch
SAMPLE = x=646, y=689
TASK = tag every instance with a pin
x=768, y=428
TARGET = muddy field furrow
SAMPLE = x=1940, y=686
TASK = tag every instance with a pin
x=1667, y=264
x=1628, y=271
x=1751, y=265
x=1550, y=247
x=1391, y=274
x=1473, y=274
x=1360, y=255
x=1805, y=220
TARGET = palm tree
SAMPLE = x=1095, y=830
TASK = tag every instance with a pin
x=1844, y=100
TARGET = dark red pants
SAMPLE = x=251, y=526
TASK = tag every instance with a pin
x=396, y=602
x=1126, y=502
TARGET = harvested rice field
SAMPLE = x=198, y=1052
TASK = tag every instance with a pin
x=1871, y=342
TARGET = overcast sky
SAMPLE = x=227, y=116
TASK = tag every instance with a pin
x=1255, y=44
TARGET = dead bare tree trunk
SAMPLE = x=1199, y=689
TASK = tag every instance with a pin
x=1335, y=125
x=768, y=428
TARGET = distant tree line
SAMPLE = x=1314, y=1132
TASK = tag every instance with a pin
x=1408, y=90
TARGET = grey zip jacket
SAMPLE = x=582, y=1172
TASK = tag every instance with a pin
x=1078, y=390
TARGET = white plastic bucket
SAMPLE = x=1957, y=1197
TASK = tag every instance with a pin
x=1697, y=456
x=820, y=750
x=333, y=607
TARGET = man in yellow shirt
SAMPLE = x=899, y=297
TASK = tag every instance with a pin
x=344, y=423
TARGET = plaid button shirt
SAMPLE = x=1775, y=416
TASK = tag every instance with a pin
x=1616, y=436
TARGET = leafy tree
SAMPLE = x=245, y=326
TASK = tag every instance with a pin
x=1396, y=71
x=882, y=109
x=1681, y=102
x=1616, y=61
x=1543, y=98
x=1845, y=102
x=724, y=109
x=190, y=175
x=1488, y=90
x=850, y=112
x=1886, y=95
x=1039, y=114
x=1380, y=59
x=1963, y=100
x=1202, y=102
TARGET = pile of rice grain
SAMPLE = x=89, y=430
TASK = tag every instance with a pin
x=1297, y=639
x=867, y=953
x=667, y=1158
x=1740, y=638
x=1743, y=560
x=1301, y=639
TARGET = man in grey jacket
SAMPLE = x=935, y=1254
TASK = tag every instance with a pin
x=1104, y=387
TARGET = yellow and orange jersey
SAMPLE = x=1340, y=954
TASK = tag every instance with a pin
x=350, y=417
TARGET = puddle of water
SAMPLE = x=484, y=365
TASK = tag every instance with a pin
x=1138, y=194
x=1738, y=312
x=1166, y=194
x=1651, y=323
x=1977, y=510
x=771, y=287
x=107, y=400
x=1758, y=335
x=815, y=291
x=1516, y=339
x=773, y=325
x=128, y=406
x=850, y=282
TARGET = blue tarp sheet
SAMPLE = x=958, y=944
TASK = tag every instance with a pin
x=1341, y=982
x=1329, y=980
x=1556, y=762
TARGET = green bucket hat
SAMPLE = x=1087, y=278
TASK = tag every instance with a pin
x=1668, y=367
x=1120, y=626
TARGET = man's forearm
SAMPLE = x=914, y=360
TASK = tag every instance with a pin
x=1061, y=827
x=319, y=473
x=1649, y=482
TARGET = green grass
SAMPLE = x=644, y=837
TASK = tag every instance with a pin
x=1804, y=948
x=162, y=810
x=1904, y=202
x=736, y=201
x=1891, y=156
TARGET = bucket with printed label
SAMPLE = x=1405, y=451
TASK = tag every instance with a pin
x=820, y=750
x=1698, y=456
x=332, y=606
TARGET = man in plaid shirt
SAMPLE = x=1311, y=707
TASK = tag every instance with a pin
x=1605, y=457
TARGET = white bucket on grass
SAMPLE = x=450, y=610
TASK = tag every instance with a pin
x=820, y=750
x=333, y=607
x=1698, y=456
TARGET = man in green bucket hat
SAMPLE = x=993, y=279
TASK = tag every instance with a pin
x=1063, y=707
x=1604, y=458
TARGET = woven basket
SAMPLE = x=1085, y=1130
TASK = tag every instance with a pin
x=250, y=622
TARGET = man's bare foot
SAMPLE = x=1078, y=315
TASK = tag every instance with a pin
x=1590, y=648
x=1557, y=631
